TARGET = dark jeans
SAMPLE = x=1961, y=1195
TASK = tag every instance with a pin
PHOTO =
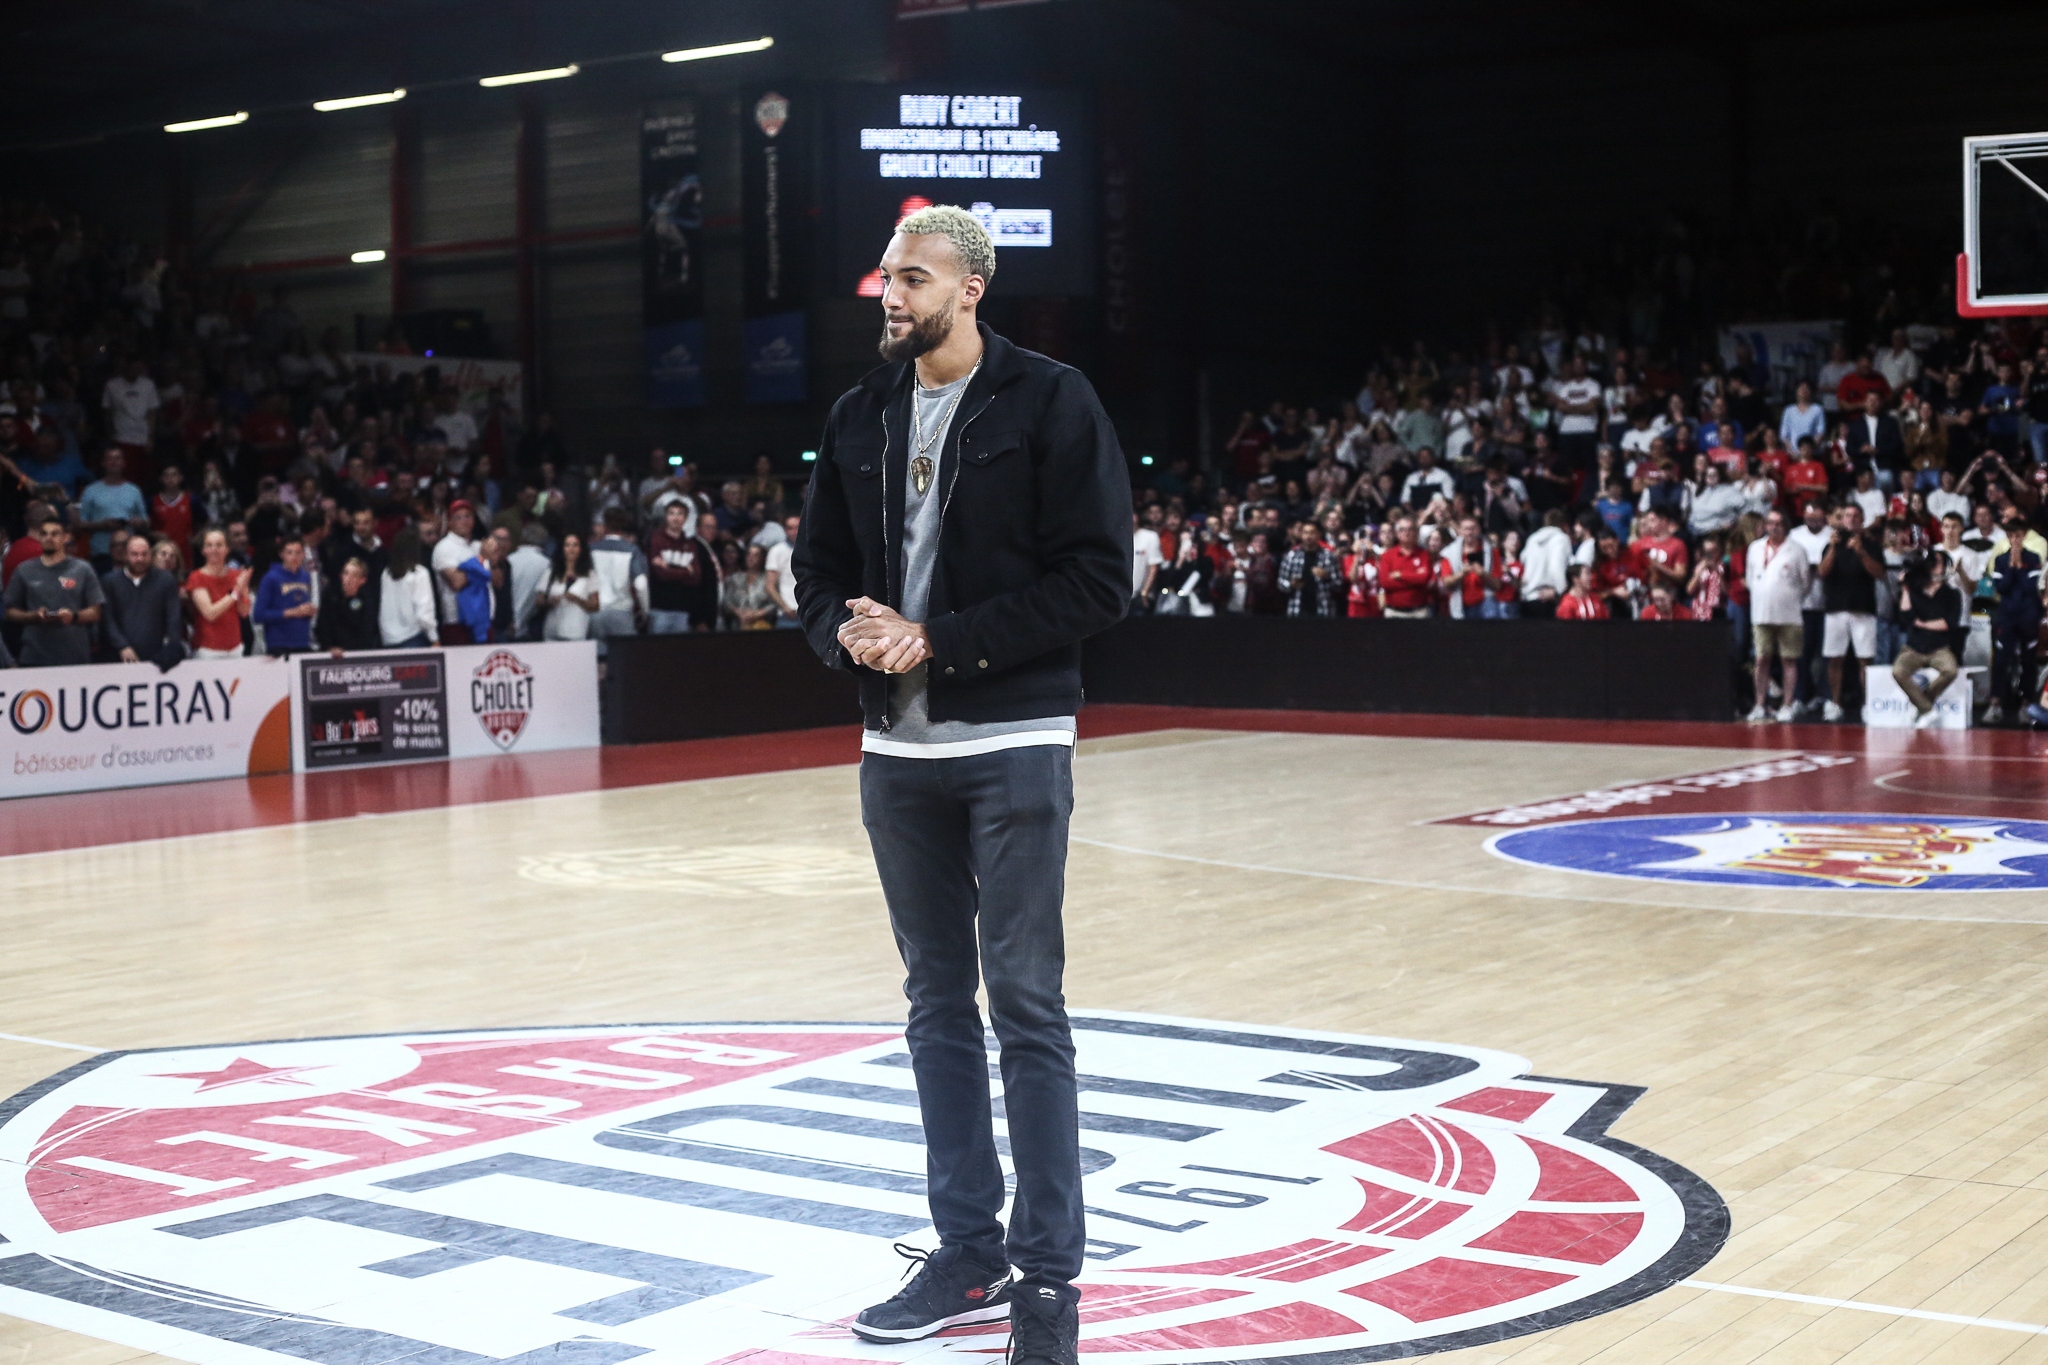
x=2012, y=663
x=1813, y=669
x=972, y=853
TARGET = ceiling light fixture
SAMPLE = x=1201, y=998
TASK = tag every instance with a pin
x=359, y=101
x=553, y=73
x=366, y=257
x=194, y=125
x=698, y=54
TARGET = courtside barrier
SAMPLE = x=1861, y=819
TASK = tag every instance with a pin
x=97, y=726
x=465, y=701
x=1625, y=670
x=674, y=687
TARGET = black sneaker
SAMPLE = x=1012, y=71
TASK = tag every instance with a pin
x=949, y=1290
x=1045, y=1326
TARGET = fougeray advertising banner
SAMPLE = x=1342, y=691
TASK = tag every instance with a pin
x=399, y=706
x=127, y=725
x=672, y=255
x=776, y=207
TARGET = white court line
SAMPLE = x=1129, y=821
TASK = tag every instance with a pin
x=45, y=1042
x=1887, y=780
x=1959, y=1319
x=315, y=823
x=1543, y=895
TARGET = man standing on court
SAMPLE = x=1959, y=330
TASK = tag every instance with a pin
x=968, y=524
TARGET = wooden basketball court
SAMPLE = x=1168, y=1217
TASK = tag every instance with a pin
x=1847, y=1052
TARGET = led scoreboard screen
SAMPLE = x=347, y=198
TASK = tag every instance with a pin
x=1021, y=161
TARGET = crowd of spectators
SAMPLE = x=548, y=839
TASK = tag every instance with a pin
x=1564, y=477
x=185, y=473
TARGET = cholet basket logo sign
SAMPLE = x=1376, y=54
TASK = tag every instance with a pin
x=712, y=1194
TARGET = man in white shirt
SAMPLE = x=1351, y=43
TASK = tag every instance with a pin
x=1427, y=482
x=782, y=579
x=457, y=427
x=528, y=567
x=1899, y=364
x=1812, y=536
x=1640, y=436
x=449, y=553
x=1578, y=415
x=1512, y=370
x=1146, y=560
x=1780, y=577
x=1838, y=368
x=1945, y=499
x=1546, y=563
x=131, y=401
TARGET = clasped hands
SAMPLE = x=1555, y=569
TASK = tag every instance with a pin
x=880, y=639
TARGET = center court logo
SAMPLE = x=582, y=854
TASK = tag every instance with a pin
x=712, y=1194
x=1806, y=852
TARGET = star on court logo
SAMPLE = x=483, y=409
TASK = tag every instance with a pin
x=1802, y=852
x=717, y=1194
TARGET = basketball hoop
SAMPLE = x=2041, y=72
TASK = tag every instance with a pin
x=2002, y=271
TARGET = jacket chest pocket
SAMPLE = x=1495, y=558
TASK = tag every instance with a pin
x=980, y=449
x=858, y=463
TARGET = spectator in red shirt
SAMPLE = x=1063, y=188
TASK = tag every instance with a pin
x=1248, y=446
x=1864, y=379
x=170, y=511
x=269, y=434
x=1806, y=479
x=1773, y=459
x=1507, y=574
x=1582, y=603
x=1465, y=572
x=1407, y=573
x=1661, y=557
x=25, y=548
x=1709, y=584
x=1728, y=453
x=1660, y=607
x=1614, y=573
x=1362, y=572
x=1262, y=595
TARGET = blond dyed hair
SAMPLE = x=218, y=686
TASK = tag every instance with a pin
x=969, y=238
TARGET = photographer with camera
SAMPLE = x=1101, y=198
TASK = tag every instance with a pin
x=1929, y=606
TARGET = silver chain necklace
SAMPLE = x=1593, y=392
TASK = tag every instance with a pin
x=921, y=466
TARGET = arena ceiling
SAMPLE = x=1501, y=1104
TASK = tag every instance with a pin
x=82, y=67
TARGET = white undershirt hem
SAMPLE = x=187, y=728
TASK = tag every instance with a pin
x=872, y=743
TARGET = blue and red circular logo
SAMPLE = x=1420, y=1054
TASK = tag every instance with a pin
x=1801, y=852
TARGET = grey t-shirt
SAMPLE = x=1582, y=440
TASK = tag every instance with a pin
x=909, y=722
x=68, y=583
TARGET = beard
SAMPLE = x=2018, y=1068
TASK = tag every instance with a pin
x=926, y=334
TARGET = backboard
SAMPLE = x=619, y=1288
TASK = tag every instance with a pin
x=2003, y=270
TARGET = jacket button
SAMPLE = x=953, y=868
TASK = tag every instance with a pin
x=949, y=669
x=983, y=664
x=866, y=468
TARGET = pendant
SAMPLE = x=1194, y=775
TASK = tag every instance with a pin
x=921, y=474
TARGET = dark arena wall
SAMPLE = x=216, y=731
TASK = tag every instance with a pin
x=673, y=687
